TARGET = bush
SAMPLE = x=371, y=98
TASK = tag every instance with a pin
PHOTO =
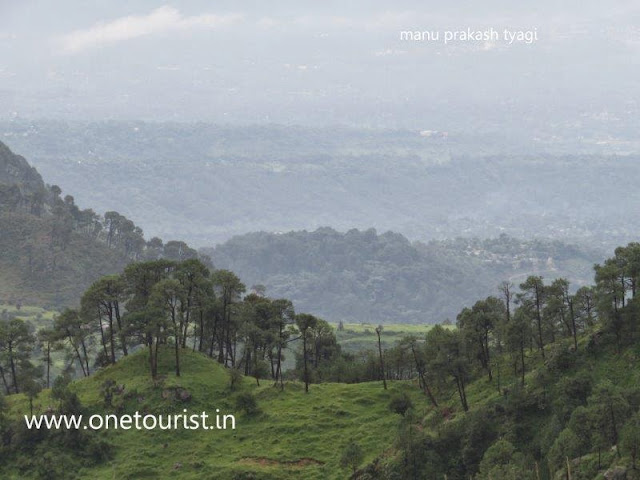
x=235, y=379
x=247, y=403
x=352, y=456
x=400, y=403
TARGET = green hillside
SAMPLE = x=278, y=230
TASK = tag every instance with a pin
x=302, y=436
x=295, y=435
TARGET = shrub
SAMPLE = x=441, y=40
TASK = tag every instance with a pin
x=352, y=456
x=247, y=403
x=400, y=403
x=235, y=379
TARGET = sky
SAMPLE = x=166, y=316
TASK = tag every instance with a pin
x=319, y=63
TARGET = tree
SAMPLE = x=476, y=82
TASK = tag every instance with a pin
x=610, y=293
x=560, y=310
x=477, y=325
x=517, y=334
x=506, y=288
x=16, y=343
x=47, y=340
x=305, y=323
x=445, y=350
x=608, y=408
x=566, y=446
x=228, y=288
x=69, y=325
x=102, y=302
x=31, y=385
x=420, y=362
x=585, y=306
x=283, y=316
x=384, y=378
x=168, y=297
x=146, y=319
x=352, y=456
x=400, y=403
x=192, y=275
x=532, y=300
x=501, y=461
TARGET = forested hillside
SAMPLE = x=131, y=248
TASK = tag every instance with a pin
x=535, y=383
x=51, y=250
x=362, y=276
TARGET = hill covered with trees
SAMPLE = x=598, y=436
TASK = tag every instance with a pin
x=51, y=250
x=534, y=382
x=361, y=276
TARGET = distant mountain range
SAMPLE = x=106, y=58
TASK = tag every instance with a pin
x=206, y=183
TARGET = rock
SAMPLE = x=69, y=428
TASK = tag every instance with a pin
x=616, y=473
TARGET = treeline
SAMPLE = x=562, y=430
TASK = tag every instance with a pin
x=383, y=277
x=113, y=229
x=176, y=304
x=545, y=409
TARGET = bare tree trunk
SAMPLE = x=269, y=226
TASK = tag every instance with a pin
x=384, y=379
x=4, y=381
x=123, y=338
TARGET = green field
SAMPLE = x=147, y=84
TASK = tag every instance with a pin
x=36, y=315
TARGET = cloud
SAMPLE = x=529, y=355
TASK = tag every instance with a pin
x=161, y=20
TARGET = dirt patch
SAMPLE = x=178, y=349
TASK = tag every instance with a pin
x=269, y=462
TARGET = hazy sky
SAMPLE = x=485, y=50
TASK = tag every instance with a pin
x=316, y=62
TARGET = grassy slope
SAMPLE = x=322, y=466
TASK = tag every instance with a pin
x=297, y=435
x=292, y=427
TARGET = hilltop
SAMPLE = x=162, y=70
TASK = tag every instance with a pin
x=359, y=276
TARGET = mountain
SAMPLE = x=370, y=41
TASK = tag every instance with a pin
x=384, y=278
x=14, y=170
x=51, y=250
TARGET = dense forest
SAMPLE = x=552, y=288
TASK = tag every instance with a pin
x=383, y=278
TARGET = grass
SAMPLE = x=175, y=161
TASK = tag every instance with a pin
x=296, y=435
x=355, y=337
x=37, y=315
